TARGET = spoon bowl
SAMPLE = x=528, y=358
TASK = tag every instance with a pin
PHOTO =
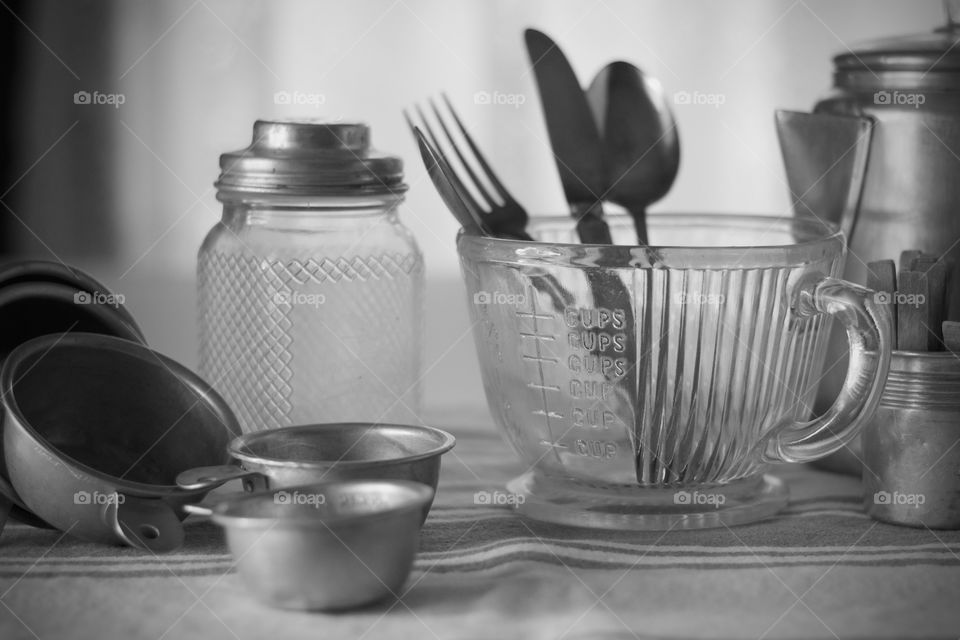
x=640, y=139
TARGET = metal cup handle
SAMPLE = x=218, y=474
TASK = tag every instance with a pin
x=198, y=510
x=5, y=507
x=144, y=523
x=205, y=478
x=869, y=331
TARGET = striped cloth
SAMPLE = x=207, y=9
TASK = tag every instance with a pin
x=822, y=569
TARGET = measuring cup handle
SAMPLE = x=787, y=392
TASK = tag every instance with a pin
x=211, y=477
x=868, y=324
x=5, y=507
x=144, y=523
x=197, y=510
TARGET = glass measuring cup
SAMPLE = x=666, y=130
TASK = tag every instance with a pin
x=666, y=414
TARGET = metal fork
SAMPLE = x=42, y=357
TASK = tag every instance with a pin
x=506, y=218
x=468, y=218
x=503, y=215
x=503, y=218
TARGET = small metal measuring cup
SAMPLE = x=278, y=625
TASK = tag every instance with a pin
x=326, y=546
x=307, y=454
x=911, y=459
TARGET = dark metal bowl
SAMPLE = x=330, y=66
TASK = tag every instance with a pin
x=39, y=298
x=96, y=431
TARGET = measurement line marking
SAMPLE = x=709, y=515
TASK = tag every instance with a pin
x=541, y=359
x=549, y=414
x=545, y=387
x=538, y=336
x=554, y=445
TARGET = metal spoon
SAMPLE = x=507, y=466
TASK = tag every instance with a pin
x=640, y=139
x=641, y=152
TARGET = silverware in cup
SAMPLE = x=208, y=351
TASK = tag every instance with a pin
x=734, y=332
x=574, y=136
x=501, y=216
x=641, y=145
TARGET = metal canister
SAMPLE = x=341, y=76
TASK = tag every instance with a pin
x=909, y=86
x=911, y=450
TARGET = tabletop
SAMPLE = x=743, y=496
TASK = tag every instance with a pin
x=820, y=569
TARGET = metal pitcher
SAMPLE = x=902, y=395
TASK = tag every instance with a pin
x=909, y=88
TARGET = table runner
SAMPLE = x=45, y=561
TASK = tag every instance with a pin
x=821, y=569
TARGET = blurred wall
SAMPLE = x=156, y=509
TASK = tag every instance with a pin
x=131, y=183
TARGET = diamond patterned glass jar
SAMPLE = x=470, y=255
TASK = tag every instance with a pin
x=310, y=288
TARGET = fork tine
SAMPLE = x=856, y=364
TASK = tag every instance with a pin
x=440, y=180
x=463, y=160
x=410, y=125
x=504, y=220
x=430, y=135
x=476, y=210
x=447, y=192
x=481, y=160
x=447, y=168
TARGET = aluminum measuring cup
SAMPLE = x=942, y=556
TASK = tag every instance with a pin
x=911, y=448
x=40, y=297
x=730, y=315
x=325, y=546
x=96, y=429
x=309, y=454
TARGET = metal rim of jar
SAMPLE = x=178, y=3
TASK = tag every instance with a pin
x=263, y=186
x=868, y=81
x=922, y=380
x=310, y=158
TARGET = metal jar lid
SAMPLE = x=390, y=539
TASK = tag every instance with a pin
x=923, y=61
x=308, y=158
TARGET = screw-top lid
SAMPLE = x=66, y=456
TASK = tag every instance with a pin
x=930, y=60
x=310, y=158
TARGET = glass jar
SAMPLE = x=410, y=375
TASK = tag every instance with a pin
x=310, y=288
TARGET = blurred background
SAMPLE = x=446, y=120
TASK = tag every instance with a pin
x=115, y=113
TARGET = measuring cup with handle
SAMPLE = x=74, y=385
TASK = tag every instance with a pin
x=729, y=336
